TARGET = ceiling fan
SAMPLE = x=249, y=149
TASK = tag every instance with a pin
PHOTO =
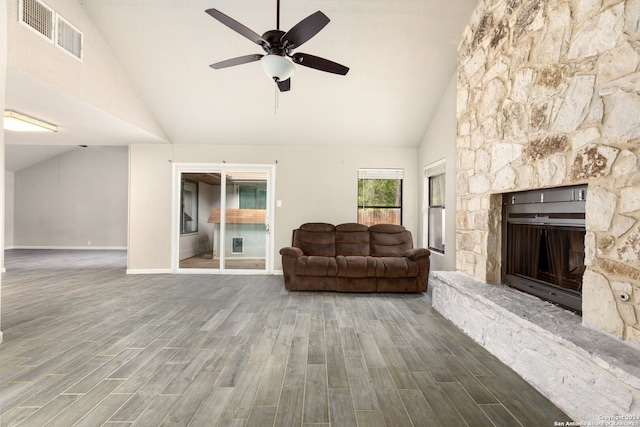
x=279, y=45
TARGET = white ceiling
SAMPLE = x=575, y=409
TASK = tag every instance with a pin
x=401, y=55
x=79, y=123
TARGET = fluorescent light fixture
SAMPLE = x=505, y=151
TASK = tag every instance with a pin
x=17, y=122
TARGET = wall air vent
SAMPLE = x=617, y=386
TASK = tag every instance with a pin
x=47, y=23
x=68, y=37
x=37, y=16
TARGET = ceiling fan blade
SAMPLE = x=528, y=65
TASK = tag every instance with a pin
x=284, y=85
x=238, y=27
x=305, y=29
x=319, y=63
x=236, y=61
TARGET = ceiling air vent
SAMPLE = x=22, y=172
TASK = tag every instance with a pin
x=69, y=38
x=37, y=16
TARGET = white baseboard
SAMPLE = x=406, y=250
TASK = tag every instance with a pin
x=199, y=271
x=73, y=248
x=149, y=271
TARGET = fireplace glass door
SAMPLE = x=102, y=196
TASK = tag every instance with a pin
x=551, y=254
x=543, y=243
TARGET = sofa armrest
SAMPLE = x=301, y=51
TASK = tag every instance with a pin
x=291, y=251
x=416, y=253
x=421, y=256
x=290, y=256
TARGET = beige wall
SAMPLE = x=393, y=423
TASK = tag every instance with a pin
x=439, y=143
x=313, y=183
x=75, y=200
x=149, y=235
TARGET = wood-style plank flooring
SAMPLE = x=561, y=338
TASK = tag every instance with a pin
x=200, y=261
x=87, y=345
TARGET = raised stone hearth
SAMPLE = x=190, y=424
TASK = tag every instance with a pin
x=587, y=373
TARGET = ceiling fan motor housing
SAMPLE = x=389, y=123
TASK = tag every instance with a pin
x=274, y=63
x=274, y=38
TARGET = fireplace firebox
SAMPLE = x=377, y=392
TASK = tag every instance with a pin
x=543, y=243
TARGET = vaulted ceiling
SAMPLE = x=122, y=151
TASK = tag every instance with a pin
x=401, y=55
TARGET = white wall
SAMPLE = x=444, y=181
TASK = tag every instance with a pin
x=75, y=200
x=9, y=186
x=439, y=142
x=95, y=80
x=313, y=183
x=3, y=70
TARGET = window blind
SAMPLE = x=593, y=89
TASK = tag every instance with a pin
x=380, y=173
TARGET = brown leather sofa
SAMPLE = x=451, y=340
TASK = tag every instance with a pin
x=354, y=258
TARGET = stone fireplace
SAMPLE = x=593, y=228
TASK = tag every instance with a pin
x=549, y=96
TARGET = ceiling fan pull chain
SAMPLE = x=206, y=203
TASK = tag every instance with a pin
x=275, y=107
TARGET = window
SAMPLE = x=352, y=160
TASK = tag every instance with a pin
x=380, y=196
x=189, y=223
x=436, y=212
x=252, y=195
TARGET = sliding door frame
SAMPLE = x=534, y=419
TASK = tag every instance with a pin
x=223, y=168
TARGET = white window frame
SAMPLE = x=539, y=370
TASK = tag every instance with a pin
x=434, y=169
x=379, y=173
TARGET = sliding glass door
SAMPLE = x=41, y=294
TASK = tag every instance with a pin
x=224, y=218
x=245, y=222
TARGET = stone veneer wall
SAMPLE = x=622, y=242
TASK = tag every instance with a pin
x=549, y=95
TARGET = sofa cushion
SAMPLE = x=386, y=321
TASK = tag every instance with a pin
x=389, y=240
x=316, y=239
x=396, y=267
x=356, y=266
x=318, y=266
x=352, y=239
x=317, y=227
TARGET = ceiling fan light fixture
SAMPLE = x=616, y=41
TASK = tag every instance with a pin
x=277, y=67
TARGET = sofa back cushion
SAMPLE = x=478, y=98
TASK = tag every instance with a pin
x=352, y=239
x=316, y=239
x=389, y=240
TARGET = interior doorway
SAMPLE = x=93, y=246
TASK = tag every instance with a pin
x=223, y=218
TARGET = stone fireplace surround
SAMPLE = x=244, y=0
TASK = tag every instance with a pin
x=548, y=96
